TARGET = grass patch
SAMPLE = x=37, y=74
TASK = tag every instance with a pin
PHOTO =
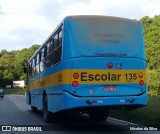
x=20, y=91
x=147, y=116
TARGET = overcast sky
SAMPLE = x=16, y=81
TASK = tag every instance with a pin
x=27, y=22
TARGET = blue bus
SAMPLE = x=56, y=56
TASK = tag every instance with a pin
x=89, y=64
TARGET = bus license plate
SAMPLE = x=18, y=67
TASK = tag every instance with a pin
x=110, y=88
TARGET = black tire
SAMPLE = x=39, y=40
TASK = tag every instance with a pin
x=34, y=109
x=98, y=114
x=47, y=116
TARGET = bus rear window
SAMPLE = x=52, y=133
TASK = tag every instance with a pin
x=106, y=36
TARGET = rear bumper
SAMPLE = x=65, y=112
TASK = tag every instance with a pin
x=71, y=101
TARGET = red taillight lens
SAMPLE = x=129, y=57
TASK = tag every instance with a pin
x=75, y=75
x=141, y=82
x=74, y=83
x=110, y=65
x=140, y=75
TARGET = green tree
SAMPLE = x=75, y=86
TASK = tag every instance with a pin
x=12, y=64
x=151, y=28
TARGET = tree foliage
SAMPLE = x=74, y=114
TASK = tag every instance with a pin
x=151, y=29
x=12, y=64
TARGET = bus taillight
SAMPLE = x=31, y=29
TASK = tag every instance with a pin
x=74, y=83
x=110, y=65
x=140, y=75
x=75, y=75
x=141, y=82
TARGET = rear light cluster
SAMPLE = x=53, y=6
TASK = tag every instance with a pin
x=75, y=83
x=110, y=65
x=141, y=82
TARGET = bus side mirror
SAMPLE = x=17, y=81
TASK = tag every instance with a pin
x=25, y=69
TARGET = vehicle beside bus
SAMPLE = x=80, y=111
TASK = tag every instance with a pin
x=1, y=93
x=89, y=64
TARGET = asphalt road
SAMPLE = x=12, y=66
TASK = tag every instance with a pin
x=14, y=112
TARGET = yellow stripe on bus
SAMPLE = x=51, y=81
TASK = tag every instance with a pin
x=109, y=76
x=90, y=77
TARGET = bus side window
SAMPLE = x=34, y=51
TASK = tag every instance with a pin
x=37, y=59
x=58, y=48
x=60, y=38
x=42, y=54
x=30, y=69
x=49, y=55
x=37, y=64
x=34, y=72
x=52, y=50
x=47, y=49
x=51, y=46
x=40, y=57
x=33, y=65
x=37, y=69
x=41, y=69
x=42, y=62
x=55, y=41
x=48, y=61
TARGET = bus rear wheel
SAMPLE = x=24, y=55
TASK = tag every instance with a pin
x=46, y=114
x=98, y=114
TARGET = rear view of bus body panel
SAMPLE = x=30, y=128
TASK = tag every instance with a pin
x=98, y=85
x=107, y=76
x=91, y=46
